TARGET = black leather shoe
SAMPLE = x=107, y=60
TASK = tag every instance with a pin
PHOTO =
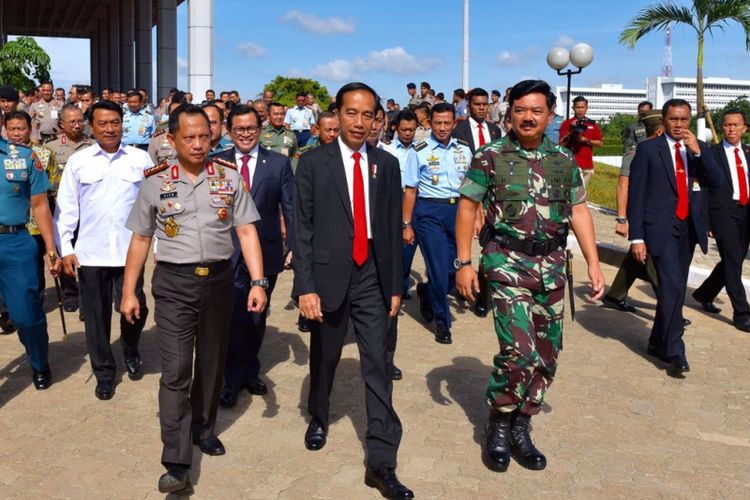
x=743, y=325
x=620, y=305
x=678, y=367
x=303, y=324
x=522, y=448
x=105, y=389
x=133, y=366
x=497, y=445
x=175, y=479
x=425, y=308
x=481, y=311
x=406, y=296
x=386, y=481
x=315, y=437
x=210, y=446
x=708, y=305
x=80, y=315
x=42, y=379
x=228, y=397
x=653, y=351
x=396, y=373
x=70, y=308
x=6, y=325
x=256, y=386
x=443, y=334
x=686, y=322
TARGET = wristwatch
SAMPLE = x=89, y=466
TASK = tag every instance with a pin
x=263, y=283
x=621, y=220
x=458, y=263
x=405, y=224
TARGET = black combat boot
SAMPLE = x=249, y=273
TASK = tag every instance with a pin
x=521, y=447
x=497, y=446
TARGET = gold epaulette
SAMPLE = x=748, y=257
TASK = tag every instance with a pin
x=225, y=163
x=156, y=169
x=463, y=142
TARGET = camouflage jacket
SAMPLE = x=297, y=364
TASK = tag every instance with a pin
x=522, y=201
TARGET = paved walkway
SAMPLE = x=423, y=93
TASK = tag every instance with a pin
x=614, y=425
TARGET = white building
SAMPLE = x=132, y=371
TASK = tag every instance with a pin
x=718, y=92
x=604, y=101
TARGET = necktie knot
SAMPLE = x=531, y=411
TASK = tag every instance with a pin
x=357, y=156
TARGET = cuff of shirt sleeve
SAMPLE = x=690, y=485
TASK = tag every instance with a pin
x=633, y=242
x=66, y=248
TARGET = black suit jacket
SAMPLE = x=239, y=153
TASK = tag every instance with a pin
x=652, y=193
x=324, y=227
x=463, y=131
x=271, y=188
x=720, y=199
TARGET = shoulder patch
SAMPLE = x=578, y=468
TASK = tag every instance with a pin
x=462, y=142
x=159, y=132
x=156, y=169
x=420, y=146
x=225, y=163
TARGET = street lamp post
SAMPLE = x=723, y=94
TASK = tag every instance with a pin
x=558, y=58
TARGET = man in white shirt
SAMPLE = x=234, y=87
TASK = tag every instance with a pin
x=299, y=119
x=98, y=188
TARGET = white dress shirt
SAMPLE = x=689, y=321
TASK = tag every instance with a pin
x=729, y=150
x=96, y=193
x=475, y=132
x=251, y=165
x=671, y=142
x=346, y=155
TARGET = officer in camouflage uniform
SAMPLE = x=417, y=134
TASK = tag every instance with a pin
x=636, y=132
x=532, y=191
x=275, y=137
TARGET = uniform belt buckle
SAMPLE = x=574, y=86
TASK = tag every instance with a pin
x=201, y=271
x=452, y=201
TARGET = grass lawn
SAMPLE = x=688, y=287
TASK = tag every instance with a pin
x=603, y=186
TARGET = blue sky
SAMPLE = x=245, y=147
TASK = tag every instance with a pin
x=389, y=43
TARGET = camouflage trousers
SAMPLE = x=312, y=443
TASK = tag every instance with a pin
x=529, y=327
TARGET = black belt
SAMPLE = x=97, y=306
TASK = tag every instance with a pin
x=442, y=201
x=532, y=247
x=12, y=229
x=198, y=269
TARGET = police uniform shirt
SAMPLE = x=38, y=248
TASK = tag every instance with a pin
x=192, y=222
x=299, y=119
x=23, y=178
x=159, y=149
x=96, y=194
x=439, y=169
x=45, y=117
x=63, y=148
x=138, y=127
x=407, y=158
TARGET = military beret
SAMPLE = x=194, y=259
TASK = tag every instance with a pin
x=9, y=93
x=411, y=85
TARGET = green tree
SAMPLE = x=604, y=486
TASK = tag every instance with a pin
x=285, y=90
x=23, y=63
x=616, y=125
x=704, y=16
x=741, y=104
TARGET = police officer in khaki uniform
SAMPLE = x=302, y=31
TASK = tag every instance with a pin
x=192, y=206
x=275, y=137
x=45, y=114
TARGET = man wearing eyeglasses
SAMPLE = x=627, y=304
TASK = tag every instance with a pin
x=269, y=179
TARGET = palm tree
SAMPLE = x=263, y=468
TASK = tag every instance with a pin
x=704, y=16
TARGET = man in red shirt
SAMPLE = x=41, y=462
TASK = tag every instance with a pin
x=581, y=135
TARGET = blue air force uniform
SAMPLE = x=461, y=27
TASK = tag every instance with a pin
x=23, y=177
x=137, y=128
x=437, y=177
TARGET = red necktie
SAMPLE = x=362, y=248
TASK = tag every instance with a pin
x=481, y=135
x=359, y=249
x=682, y=190
x=741, y=178
x=245, y=170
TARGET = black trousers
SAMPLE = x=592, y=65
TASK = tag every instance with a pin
x=67, y=283
x=192, y=316
x=630, y=269
x=733, y=243
x=672, y=268
x=98, y=285
x=368, y=313
x=245, y=333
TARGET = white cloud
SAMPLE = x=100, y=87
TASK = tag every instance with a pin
x=507, y=58
x=510, y=59
x=251, y=49
x=563, y=41
x=394, y=60
x=310, y=22
x=181, y=64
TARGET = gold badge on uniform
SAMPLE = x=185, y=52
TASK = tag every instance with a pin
x=16, y=188
x=223, y=213
x=171, y=227
x=435, y=179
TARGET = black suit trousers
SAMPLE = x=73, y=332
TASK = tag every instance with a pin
x=246, y=333
x=98, y=285
x=733, y=243
x=672, y=268
x=363, y=305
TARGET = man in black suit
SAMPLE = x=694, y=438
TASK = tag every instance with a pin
x=269, y=178
x=667, y=217
x=729, y=213
x=477, y=132
x=347, y=217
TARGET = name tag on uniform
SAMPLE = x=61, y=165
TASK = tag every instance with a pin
x=171, y=194
x=53, y=114
x=220, y=186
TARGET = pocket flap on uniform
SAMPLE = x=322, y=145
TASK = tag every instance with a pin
x=90, y=175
